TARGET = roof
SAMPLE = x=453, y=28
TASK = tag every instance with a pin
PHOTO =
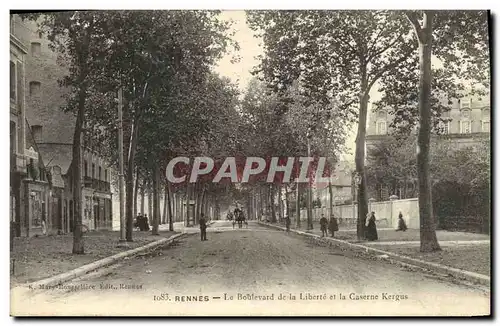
x=57, y=155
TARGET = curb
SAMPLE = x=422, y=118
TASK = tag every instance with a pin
x=443, y=269
x=80, y=271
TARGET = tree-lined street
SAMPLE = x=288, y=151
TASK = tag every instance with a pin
x=143, y=90
x=261, y=261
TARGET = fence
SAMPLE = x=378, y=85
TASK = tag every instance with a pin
x=386, y=213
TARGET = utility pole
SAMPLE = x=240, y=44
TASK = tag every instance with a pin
x=297, y=196
x=309, y=190
x=120, y=162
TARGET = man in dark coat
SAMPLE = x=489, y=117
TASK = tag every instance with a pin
x=323, y=222
x=333, y=226
x=145, y=220
x=287, y=223
x=203, y=228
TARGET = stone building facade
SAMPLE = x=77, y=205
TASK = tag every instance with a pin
x=465, y=124
x=51, y=131
x=17, y=117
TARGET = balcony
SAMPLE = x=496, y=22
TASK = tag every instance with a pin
x=96, y=184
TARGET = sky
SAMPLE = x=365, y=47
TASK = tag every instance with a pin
x=250, y=48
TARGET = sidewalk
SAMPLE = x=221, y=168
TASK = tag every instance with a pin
x=37, y=258
x=391, y=235
x=462, y=250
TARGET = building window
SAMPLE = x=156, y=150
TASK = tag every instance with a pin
x=381, y=115
x=465, y=103
x=37, y=133
x=485, y=126
x=485, y=122
x=106, y=175
x=445, y=127
x=381, y=127
x=34, y=88
x=40, y=34
x=93, y=171
x=85, y=168
x=13, y=137
x=100, y=174
x=36, y=48
x=13, y=81
x=465, y=127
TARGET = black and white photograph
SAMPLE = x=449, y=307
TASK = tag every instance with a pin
x=250, y=162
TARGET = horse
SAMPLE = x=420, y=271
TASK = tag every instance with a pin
x=239, y=218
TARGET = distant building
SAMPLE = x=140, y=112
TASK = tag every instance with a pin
x=342, y=190
x=465, y=124
x=52, y=138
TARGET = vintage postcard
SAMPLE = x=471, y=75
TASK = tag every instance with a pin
x=250, y=163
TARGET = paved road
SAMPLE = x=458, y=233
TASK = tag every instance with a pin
x=247, y=263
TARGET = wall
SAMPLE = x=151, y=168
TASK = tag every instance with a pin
x=386, y=213
x=44, y=67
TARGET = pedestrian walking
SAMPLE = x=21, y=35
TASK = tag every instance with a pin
x=323, y=222
x=145, y=221
x=333, y=226
x=401, y=223
x=371, y=228
x=203, y=228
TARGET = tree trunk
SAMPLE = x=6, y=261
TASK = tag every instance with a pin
x=280, y=203
x=262, y=203
x=78, y=244
x=249, y=207
x=359, y=159
x=287, y=201
x=181, y=207
x=143, y=187
x=170, y=210
x=172, y=206
x=202, y=205
x=309, y=207
x=273, y=208
x=428, y=239
x=330, y=191
x=297, y=204
x=217, y=208
x=136, y=190
x=156, y=200
x=188, y=202
x=198, y=203
x=165, y=204
x=129, y=180
x=150, y=202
